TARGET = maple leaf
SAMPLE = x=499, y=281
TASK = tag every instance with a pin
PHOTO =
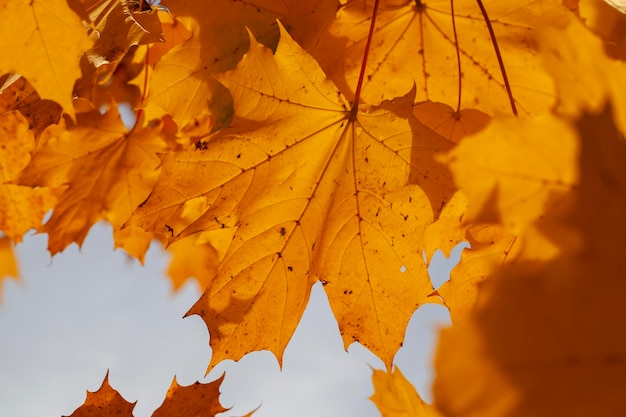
x=529, y=348
x=42, y=40
x=17, y=94
x=510, y=173
x=395, y=396
x=192, y=401
x=414, y=42
x=449, y=123
x=491, y=246
x=606, y=22
x=315, y=190
x=182, y=83
x=22, y=207
x=118, y=25
x=108, y=172
x=550, y=360
x=191, y=257
x=106, y=401
x=198, y=399
x=449, y=229
x=589, y=90
x=8, y=263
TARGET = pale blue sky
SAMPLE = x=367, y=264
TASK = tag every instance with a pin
x=82, y=312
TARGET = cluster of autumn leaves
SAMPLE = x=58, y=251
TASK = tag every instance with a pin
x=277, y=144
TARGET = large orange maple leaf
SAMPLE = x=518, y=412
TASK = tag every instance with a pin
x=315, y=190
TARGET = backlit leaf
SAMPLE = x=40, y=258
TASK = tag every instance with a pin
x=22, y=207
x=8, y=263
x=414, y=43
x=106, y=401
x=546, y=330
x=195, y=400
x=395, y=396
x=314, y=193
x=108, y=170
x=42, y=40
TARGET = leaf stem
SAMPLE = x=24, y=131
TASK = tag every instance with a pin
x=145, y=87
x=498, y=55
x=357, y=92
x=458, y=56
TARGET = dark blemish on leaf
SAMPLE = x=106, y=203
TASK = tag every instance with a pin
x=282, y=231
x=201, y=145
x=323, y=282
x=280, y=255
x=290, y=268
x=238, y=155
x=169, y=229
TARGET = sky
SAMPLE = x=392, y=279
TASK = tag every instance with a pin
x=72, y=317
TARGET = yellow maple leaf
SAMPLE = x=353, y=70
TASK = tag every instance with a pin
x=449, y=229
x=546, y=330
x=510, y=173
x=395, y=396
x=192, y=257
x=183, y=82
x=108, y=172
x=22, y=207
x=544, y=333
x=8, y=263
x=584, y=91
x=43, y=40
x=491, y=247
x=449, y=123
x=315, y=191
x=414, y=42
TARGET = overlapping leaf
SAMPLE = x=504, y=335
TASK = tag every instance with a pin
x=108, y=172
x=395, y=396
x=315, y=190
x=491, y=247
x=118, y=25
x=546, y=329
x=545, y=332
x=183, y=83
x=22, y=207
x=17, y=94
x=8, y=263
x=414, y=42
x=42, y=40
